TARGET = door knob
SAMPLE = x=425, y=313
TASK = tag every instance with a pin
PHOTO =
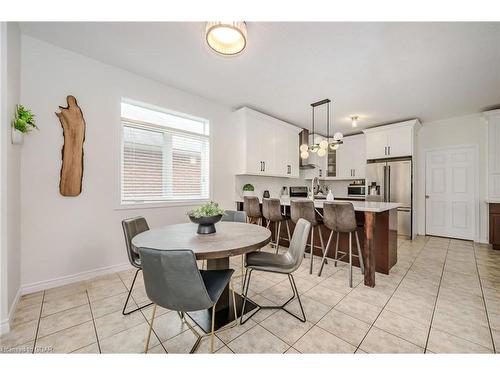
x=426, y=197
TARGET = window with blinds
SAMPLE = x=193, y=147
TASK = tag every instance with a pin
x=165, y=156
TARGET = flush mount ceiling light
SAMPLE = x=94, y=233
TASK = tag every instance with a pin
x=226, y=38
x=354, y=121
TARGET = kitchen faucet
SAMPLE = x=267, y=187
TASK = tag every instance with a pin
x=314, y=183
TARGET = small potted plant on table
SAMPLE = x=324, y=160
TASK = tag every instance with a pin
x=206, y=216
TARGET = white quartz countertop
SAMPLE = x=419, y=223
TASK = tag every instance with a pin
x=492, y=200
x=358, y=205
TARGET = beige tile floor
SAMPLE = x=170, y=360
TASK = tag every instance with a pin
x=443, y=296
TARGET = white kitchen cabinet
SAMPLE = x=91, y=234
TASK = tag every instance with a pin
x=493, y=120
x=351, y=158
x=390, y=141
x=269, y=146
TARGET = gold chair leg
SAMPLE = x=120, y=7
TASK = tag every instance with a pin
x=150, y=328
x=212, y=338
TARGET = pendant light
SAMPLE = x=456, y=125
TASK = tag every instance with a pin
x=321, y=148
x=226, y=38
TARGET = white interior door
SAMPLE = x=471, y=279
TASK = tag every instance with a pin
x=450, y=193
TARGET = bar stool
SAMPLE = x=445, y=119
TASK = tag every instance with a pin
x=341, y=218
x=271, y=210
x=251, y=206
x=304, y=209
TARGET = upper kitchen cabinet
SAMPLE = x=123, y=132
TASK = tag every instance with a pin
x=493, y=120
x=391, y=141
x=269, y=146
x=351, y=158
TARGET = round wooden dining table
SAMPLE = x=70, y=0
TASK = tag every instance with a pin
x=230, y=239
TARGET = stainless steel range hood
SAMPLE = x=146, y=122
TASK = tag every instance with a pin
x=304, y=139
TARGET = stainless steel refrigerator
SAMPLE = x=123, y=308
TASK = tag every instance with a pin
x=390, y=181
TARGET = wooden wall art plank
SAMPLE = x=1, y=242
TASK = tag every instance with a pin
x=73, y=124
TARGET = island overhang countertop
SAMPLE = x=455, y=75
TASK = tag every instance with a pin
x=362, y=206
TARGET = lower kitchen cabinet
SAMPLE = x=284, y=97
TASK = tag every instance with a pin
x=494, y=209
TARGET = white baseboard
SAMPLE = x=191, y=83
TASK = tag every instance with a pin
x=64, y=280
x=5, y=324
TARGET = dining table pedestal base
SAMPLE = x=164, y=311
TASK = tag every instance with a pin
x=224, y=311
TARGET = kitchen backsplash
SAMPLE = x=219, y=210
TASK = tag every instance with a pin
x=275, y=184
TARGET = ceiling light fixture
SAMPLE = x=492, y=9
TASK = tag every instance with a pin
x=354, y=121
x=322, y=147
x=226, y=38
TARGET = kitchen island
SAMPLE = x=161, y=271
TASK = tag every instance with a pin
x=377, y=222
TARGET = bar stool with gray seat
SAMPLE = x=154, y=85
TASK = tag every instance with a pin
x=131, y=228
x=304, y=209
x=341, y=218
x=285, y=263
x=271, y=210
x=173, y=281
x=251, y=206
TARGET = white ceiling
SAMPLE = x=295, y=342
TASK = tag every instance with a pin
x=382, y=72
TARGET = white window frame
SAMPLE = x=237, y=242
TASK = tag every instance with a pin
x=119, y=205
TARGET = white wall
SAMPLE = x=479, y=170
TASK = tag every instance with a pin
x=458, y=131
x=64, y=236
x=10, y=251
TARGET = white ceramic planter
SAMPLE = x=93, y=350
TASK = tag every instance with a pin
x=17, y=137
x=248, y=193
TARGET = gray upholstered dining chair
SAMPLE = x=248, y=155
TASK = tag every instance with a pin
x=340, y=217
x=173, y=281
x=271, y=210
x=236, y=217
x=131, y=228
x=285, y=263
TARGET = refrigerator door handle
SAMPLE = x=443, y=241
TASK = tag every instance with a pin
x=385, y=183
x=388, y=183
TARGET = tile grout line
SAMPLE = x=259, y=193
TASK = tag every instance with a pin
x=373, y=323
x=437, y=296
x=38, y=324
x=484, y=300
x=93, y=322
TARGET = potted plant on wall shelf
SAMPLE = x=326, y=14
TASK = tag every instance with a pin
x=248, y=190
x=24, y=122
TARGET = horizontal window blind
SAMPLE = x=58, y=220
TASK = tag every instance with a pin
x=163, y=164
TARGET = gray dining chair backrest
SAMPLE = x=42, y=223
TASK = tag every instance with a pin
x=251, y=205
x=173, y=281
x=298, y=243
x=271, y=209
x=235, y=216
x=303, y=208
x=345, y=217
x=131, y=228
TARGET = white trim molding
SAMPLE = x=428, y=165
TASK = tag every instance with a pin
x=65, y=280
x=5, y=324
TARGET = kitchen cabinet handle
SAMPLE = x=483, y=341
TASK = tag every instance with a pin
x=388, y=150
x=385, y=150
x=264, y=165
x=353, y=173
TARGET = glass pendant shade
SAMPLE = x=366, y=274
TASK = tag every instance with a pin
x=226, y=38
x=304, y=154
x=323, y=144
x=304, y=148
x=322, y=151
x=338, y=136
x=334, y=146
